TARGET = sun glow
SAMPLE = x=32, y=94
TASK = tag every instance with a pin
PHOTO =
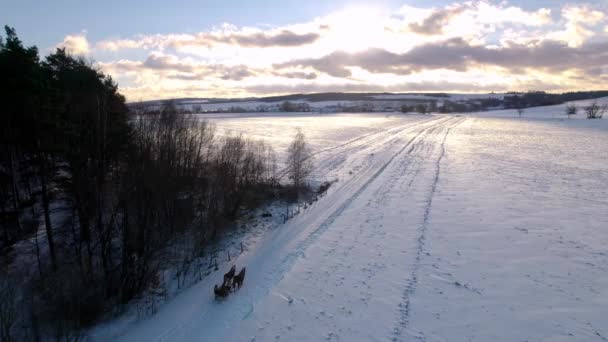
x=466, y=46
x=355, y=29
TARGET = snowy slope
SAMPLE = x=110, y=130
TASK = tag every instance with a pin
x=451, y=97
x=546, y=112
x=441, y=228
x=380, y=102
x=518, y=238
x=323, y=131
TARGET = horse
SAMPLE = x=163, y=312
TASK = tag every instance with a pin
x=239, y=278
x=228, y=276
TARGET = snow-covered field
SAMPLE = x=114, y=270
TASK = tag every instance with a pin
x=325, y=133
x=547, y=112
x=451, y=97
x=440, y=228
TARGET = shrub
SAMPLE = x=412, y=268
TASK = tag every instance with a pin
x=571, y=109
x=595, y=111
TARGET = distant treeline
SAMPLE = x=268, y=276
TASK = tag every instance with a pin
x=369, y=102
x=335, y=96
x=94, y=201
x=312, y=97
x=510, y=101
x=541, y=98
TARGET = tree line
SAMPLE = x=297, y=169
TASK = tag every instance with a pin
x=517, y=101
x=93, y=197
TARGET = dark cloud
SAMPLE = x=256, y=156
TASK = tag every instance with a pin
x=166, y=63
x=283, y=38
x=187, y=77
x=235, y=73
x=336, y=64
x=425, y=86
x=172, y=67
x=435, y=22
x=227, y=73
x=456, y=54
x=297, y=74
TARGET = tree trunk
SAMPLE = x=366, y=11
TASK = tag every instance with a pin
x=14, y=186
x=47, y=216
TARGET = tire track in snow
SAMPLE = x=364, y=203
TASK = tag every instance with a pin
x=360, y=143
x=374, y=136
x=300, y=248
x=381, y=194
x=299, y=251
x=269, y=280
x=382, y=137
x=412, y=282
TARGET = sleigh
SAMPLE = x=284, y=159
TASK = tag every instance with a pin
x=231, y=283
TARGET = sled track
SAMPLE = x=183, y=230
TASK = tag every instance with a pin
x=373, y=137
x=298, y=252
x=269, y=280
x=365, y=141
x=362, y=142
x=412, y=282
x=406, y=170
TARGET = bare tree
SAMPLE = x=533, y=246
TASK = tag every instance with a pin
x=571, y=109
x=125, y=192
x=299, y=160
x=595, y=111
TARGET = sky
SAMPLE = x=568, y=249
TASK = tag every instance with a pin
x=235, y=48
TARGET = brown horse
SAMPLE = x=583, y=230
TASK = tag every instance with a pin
x=239, y=278
x=228, y=276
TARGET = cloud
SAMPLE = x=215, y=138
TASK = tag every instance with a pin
x=579, y=20
x=421, y=86
x=172, y=67
x=297, y=75
x=152, y=41
x=76, y=44
x=234, y=73
x=484, y=44
x=486, y=12
x=582, y=14
x=457, y=54
x=337, y=64
x=283, y=38
x=434, y=23
x=471, y=20
x=119, y=44
x=226, y=36
x=163, y=62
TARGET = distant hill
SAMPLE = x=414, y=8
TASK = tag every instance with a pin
x=311, y=97
x=370, y=102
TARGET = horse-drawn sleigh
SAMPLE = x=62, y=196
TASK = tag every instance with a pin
x=231, y=283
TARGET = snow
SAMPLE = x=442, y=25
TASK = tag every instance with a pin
x=451, y=97
x=440, y=228
x=518, y=237
x=379, y=101
x=322, y=131
x=547, y=112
